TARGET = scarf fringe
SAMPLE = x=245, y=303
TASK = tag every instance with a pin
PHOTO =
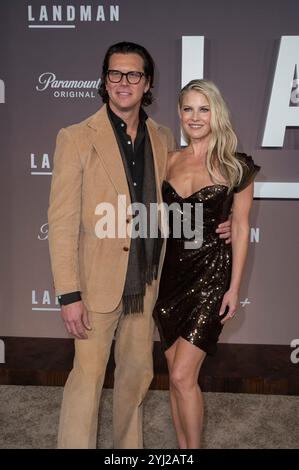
x=151, y=274
x=133, y=303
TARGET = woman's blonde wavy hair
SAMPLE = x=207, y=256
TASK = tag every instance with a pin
x=221, y=156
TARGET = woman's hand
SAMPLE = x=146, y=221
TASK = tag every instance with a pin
x=225, y=230
x=230, y=303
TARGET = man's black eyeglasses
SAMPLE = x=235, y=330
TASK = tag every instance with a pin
x=115, y=76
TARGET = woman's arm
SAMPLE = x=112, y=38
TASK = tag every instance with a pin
x=240, y=234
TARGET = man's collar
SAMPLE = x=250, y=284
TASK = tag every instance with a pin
x=117, y=121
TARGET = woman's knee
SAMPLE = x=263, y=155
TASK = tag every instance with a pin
x=181, y=379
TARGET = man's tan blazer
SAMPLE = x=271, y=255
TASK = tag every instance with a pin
x=88, y=170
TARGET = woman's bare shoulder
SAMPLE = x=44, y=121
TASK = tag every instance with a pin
x=174, y=154
x=173, y=158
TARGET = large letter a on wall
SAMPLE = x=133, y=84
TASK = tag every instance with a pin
x=280, y=113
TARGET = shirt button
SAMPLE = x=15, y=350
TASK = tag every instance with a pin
x=134, y=184
x=125, y=248
x=129, y=142
x=122, y=124
x=133, y=163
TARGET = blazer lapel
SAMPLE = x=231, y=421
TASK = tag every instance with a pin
x=107, y=149
x=159, y=155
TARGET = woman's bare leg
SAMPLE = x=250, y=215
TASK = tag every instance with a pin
x=170, y=355
x=185, y=361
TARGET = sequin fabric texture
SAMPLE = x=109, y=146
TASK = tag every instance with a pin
x=194, y=281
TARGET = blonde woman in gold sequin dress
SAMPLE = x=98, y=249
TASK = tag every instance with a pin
x=199, y=287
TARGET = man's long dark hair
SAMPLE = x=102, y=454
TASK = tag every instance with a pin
x=129, y=48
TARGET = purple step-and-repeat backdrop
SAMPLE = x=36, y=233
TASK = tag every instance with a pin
x=51, y=55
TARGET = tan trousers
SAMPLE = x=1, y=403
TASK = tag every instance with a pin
x=133, y=375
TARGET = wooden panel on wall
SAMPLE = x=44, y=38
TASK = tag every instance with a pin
x=239, y=368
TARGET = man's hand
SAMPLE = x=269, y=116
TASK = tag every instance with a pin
x=75, y=318
x=225, y=230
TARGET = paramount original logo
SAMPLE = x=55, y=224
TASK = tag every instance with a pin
x=67, y=88
x=66, y=16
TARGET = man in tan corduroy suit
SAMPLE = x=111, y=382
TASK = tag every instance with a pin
x=92, y=165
